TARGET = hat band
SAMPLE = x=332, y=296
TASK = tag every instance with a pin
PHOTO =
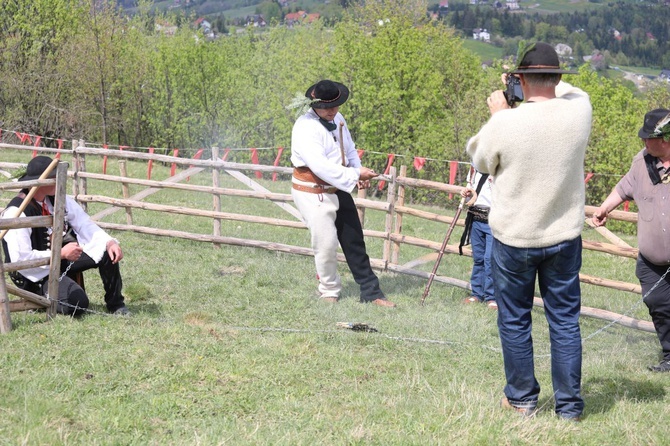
x=327, y=100
x=537, y=66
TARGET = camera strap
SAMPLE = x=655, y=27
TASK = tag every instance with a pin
x=469, y=218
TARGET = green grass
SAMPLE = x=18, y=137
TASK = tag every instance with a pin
x=230, y=346
x=485, y=51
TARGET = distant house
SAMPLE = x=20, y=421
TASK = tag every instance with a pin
x=481, y=34
x=512, y=5
x=255, y=20
x=297, y=18
x=665, y=75
x=444, y=4
x=205, y=26
x=563, y=50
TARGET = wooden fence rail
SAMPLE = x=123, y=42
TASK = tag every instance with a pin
x=394, y=207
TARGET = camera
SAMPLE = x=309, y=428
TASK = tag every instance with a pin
x=513, y=92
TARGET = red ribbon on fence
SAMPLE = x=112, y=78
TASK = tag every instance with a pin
x=104, y=160
x=626, y=206
x=38, y=139
x=173, y=168
x=360, y=153
x=197, y=156
x=588, y=177
x=453, y=170
x=254, y=159
x=276, y=163
x=391, y=157
x=225, y=154
x=419, y=162
x=151, y=163
x=60, y=146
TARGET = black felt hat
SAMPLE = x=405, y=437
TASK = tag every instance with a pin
x=36, y=168
x=654, y=127
x=540, y=58
x=328, y=93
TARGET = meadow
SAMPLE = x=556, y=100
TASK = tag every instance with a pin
x=231, y=346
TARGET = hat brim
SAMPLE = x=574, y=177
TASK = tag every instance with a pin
x=646, y=135
x=51, y=175
x=341, y=98
x=543, y=70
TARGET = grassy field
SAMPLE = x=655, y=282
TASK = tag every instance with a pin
x=485, y=51
x=230, y=346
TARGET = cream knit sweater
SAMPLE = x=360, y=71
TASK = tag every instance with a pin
x=536, y=154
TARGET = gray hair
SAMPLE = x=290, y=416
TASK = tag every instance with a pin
x=542, y=79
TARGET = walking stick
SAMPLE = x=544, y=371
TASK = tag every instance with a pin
x=441, y=253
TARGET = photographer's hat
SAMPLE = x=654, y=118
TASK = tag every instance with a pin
x=540, y=58
x=36, y=168
x=656, y=124
x=328, y=94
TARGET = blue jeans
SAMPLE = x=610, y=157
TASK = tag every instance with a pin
x=557, y=268
x=481, y=280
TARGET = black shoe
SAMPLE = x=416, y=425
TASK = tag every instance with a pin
x=664, y=366
x=122, y=311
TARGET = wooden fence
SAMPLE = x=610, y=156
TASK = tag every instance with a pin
x=30, y=300
x=394, y=207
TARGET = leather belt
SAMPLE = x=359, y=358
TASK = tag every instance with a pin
x=316, y=189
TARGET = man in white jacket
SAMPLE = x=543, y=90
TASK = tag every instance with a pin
x=327, y=169
x=86, y=246
x=536, y=152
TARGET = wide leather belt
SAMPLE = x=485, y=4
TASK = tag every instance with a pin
x=316, y=189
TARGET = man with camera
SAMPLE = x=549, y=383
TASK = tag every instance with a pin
x=535, y=151
x=85, y=246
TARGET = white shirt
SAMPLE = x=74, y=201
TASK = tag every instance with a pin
x=312, y=145
x=90, y=236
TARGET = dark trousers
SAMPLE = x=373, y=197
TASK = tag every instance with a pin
x=350, y=236
x=71, y=297
x=658, y=300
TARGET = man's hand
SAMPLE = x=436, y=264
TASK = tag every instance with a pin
x=114, y=251
x=71, y=252
x=364, y=184
x=367, y=174
x=599, y=217
x=497, y=102
x=467, y=192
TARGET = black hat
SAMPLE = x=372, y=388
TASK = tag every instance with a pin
x=540, y=58
x=654, y=125
x=36, y=168
x=329, y=94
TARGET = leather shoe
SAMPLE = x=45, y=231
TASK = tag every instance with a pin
x=383, y=303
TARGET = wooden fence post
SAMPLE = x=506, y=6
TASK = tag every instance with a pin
x=75, y=184
x=57, y=237
x=362, y=193
x=216, y=198
x=388, y=224
x=397, y=229
x=126, y=191
x=5, y=319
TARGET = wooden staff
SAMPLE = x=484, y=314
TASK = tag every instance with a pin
x=344, y=163
x=32, y=192
x=442, y=249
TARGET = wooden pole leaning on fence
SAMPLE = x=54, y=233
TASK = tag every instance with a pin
x=31, y=193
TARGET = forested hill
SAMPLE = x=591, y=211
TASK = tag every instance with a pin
x=636, y=34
